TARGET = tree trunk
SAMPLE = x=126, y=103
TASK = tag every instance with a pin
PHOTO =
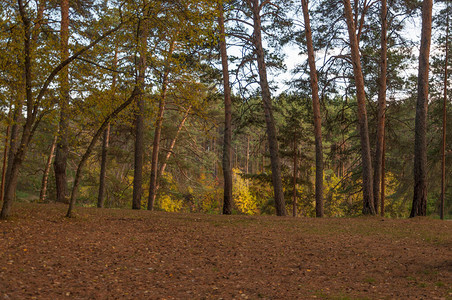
x=227, y=136
x=103, y=167
x=111, y=116
x=105, y=142
x=62, y=146
x=381, y=106
x=139, y=118
x=368, y=199
x=419, y=207
x=294, y=204
x=268, y=110
x=45, y=176
x=5, y=157
x=383, y=177
x=158, y=128
x=317, y=115
x=443, y=154
x=32, y=106
x=170, y=150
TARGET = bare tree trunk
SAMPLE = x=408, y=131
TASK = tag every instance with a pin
x=295, y=171
x=45, y=176
x=32, y=104
x=368, y=199
x=268, y=110
x=419, y=207
x=136, y=93
x=62, y=145
x=105, y=143
x=383, y=178
x=247, y=154
x=227, y=136
x=173, y=142
x=317, y=115
x=139, y=118
x=5, y=157
x=158, y=128
x=170, y=150
x=381, y=106
x=443, y=153
x=103, y=167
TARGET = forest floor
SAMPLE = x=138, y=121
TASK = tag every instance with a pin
x=125, y=254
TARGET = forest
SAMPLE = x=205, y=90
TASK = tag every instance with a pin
x=303, y=108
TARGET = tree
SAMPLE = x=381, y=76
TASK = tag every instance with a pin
x=32, y=102
x=256, y=9
x=62, y=144
x=227, y=136
x=159, y=121
x=143, y=33
x=381, y=107
x=443, y=150
x=45, y=175
x=317, y=115
x=419, y=207
x=368, y=205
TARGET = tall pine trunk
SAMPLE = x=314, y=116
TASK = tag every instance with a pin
x=381, y=106
x=62, y=145
x=139, y=117
x=268, y=110
x=368, y=199
x=317, y=115
x=443, y=152
x=295, y=171
x=419, y=207
x=227, y=135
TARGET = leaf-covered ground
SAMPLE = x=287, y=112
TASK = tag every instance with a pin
x=125, y=254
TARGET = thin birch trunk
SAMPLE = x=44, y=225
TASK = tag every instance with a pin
x=45, y=176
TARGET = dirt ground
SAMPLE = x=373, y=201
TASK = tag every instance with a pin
x=125, y=254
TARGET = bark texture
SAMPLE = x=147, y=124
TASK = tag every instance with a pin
x=443, y=150
x=317, y=115
x=366, y=161
x=227, y=135
x=62, y=149
x=45, y=176
x=280, y=204
x=139, y=118
x=381, y=107
x=103, y=168
x=419, y=207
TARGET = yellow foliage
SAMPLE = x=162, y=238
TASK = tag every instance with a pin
x=169, y=204
x=246, y=202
